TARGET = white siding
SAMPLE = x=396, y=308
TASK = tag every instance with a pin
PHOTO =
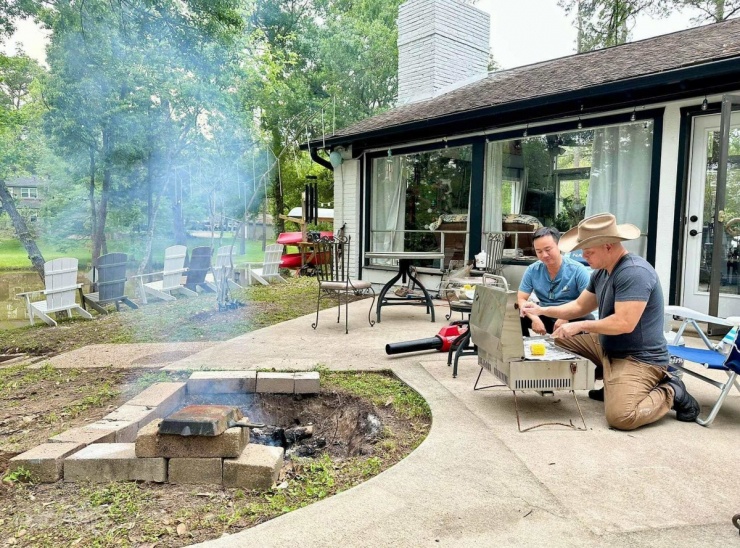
x=347, y=207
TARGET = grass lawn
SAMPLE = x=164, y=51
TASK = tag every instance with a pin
x=13, y=255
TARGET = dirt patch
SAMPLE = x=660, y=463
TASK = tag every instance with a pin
x=353, y=439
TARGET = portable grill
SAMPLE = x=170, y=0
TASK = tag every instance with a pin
x=496, y=331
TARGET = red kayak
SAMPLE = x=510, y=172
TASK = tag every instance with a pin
x=292, y=238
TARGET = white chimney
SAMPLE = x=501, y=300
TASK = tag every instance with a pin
x=442, y=44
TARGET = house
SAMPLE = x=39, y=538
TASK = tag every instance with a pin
x=27, y=193
x=631, y=129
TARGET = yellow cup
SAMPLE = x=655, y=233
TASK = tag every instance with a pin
x=537, y=348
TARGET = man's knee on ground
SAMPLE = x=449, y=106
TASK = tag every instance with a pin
x=623, y=419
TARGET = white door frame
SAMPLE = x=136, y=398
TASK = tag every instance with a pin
x=691, y=295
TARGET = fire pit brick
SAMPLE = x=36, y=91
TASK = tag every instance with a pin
x=165, y=396
x=102, y=462
x=222, y=382
x=86, y=435
x=307, y=382
x=140, y=414
x=275, y=383
x=150, y=443
x=125, y=431
x=196, y=471
x=256, y=468
x=45, y=461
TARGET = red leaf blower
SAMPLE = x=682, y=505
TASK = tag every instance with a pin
x=442, y=341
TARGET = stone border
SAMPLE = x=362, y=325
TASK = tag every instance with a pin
x=107, y=449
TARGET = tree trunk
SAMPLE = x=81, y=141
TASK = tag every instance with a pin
x=91, y=199
x=21, y=230
x=101, y=211
x=277, y=192
x=177, y=220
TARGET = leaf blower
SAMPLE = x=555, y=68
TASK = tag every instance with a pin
x=442, y=341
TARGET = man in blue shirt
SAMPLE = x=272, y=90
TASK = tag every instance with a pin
x=553, y=278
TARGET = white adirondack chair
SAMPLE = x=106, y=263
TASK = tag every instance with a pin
x=60, y=280
x=270, y=269
x=222, y=269
x=171, y=282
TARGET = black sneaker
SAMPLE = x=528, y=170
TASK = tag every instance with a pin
x=686, y=406
x=597, y=395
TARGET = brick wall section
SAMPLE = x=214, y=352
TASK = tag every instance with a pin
x=165, y=396
x=307, y=382
x=257, y=467
x=150, y=443
x=45, y=461
x=86, y=435
x=103, y=462
x=195, y=471
x=275, y=383
x=222, y=382
x=440, y=43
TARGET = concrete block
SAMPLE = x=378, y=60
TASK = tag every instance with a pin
x=140, y=414
x=86, y=435
x=150, y=443
x=195, y=471
x=222, y=382
x=125, y=431
x=257, y=467
x=45, y=461
x=275, y=383
x=103, y=462
x=165, y=396
x=307, y=382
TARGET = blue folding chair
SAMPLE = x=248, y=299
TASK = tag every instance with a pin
x=711, y=359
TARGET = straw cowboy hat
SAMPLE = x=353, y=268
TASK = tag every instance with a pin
x=597, y=230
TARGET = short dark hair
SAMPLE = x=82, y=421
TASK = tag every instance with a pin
x=547, y=231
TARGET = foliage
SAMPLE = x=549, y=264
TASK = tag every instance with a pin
x=19, y=475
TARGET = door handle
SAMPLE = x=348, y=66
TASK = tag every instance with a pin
x=693, y=232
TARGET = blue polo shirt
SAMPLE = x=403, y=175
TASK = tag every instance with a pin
x=571, y=280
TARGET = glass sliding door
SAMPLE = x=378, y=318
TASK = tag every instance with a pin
x=420, y=201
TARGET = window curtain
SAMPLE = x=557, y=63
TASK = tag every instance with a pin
x=620, y=177
x=492, y=207
x=389, y=200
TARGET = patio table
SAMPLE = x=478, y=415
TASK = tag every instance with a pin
x=404, y=259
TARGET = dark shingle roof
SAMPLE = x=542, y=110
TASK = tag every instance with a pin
x=669, y=52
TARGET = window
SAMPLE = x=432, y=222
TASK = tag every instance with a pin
x=558, y=179
x=29, y=192
x=414, y=197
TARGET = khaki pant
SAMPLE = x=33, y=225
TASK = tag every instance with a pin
x=633, y=393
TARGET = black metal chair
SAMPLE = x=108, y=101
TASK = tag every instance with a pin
x=331, y=262
x=109, y=283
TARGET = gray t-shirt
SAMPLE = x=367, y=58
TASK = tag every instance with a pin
x=633, y=279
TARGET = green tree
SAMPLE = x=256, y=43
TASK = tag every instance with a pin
x=19, y=138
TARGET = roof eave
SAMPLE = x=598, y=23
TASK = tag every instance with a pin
x=708, y=78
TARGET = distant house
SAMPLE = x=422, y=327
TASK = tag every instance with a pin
x=631, y=129
x=27, y=193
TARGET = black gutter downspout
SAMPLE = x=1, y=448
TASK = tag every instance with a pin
x=319, y=160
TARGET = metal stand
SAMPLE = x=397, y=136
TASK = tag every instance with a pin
x=476, y=387
x=569, y=425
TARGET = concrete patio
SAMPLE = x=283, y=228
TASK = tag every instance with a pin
x=476, y=480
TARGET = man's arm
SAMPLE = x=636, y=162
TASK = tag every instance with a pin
x=537, y=325
x=624, y=320
x=585, y=303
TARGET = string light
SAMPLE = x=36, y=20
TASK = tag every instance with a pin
x=634, y=116
x=526, y=131
x=580, y=124
x=705, y=103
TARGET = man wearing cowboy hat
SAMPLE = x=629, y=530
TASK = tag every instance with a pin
x=627, y=340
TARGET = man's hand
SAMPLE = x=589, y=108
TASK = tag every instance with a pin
x=537, y=326
x=567, y=330
x=531, y=308
x=558, y=323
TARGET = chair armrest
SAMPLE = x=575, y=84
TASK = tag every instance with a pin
x=139, y=276
x=27, y=294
